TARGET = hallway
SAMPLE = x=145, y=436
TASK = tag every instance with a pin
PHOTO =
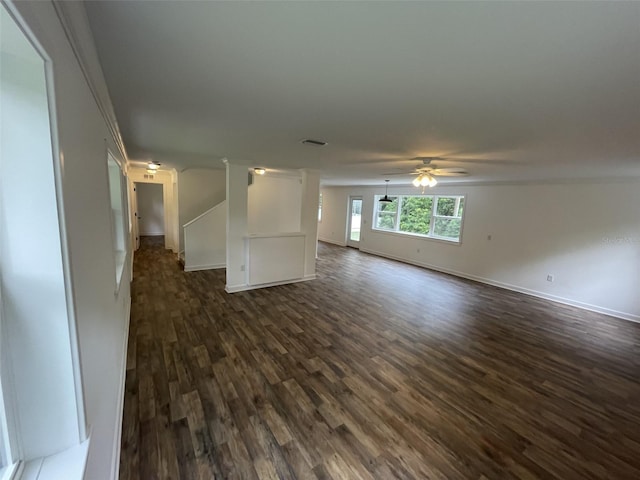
x=375, y=370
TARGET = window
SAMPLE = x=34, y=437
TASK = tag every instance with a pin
x=435, y=216
x=118, y=218
x=386, y=214
x=320, y=208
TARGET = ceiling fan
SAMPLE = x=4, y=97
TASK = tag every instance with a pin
x=429, y=169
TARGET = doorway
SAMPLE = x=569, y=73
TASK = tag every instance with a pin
x=149, y=213
x=355, y=222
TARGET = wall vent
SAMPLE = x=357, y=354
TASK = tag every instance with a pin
x=318, y=143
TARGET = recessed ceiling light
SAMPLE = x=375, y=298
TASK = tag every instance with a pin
x=317, y=143
x=259, y=171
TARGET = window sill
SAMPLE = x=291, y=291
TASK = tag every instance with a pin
x=418, y=236
x=69, y=464
x=9, y=472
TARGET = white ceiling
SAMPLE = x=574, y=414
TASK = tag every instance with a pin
x=517, y=90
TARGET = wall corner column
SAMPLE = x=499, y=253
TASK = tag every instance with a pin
x=309, y=218
x=237, y=225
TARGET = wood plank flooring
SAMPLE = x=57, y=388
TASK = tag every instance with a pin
x=376, y=370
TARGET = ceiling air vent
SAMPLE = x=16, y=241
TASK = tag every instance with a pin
x=317, y=143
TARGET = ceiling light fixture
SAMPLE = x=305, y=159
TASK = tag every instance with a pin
x=424, y=180
x=259, y=171
x=153, y=165
x=386, y=198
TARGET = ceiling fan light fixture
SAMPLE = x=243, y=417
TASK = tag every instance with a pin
x=433, y=182
x=424, y=180
x=416, y=181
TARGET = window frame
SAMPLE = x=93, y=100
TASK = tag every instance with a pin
x=460, y=198
x=124, y=217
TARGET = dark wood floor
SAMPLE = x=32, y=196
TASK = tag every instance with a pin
x=376, y=370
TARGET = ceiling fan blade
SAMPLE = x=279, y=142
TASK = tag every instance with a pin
x=449, y=172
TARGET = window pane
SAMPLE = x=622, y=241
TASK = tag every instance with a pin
x=386, y=213
x=388, y=206
x=415, y=215
x=116, y=181
x=446, y=206
x=427, y=215
x=386, y=221
x=447, y=227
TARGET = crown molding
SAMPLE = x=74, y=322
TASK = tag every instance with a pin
x=75, y=23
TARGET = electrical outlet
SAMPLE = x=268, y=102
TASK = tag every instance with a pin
x=549, y=278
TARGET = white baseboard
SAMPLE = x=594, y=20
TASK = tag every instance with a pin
x=115, y=455
x=243, y=288
x=195, y=268
x=328, y=240
x=507, y=286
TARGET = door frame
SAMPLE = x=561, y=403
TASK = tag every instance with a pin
x=169, y=200
x=349, y=242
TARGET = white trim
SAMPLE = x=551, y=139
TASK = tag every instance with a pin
x=349, y=242
x=243, y=288
x=117, y=439
x=16, y=470
x=203, y=214
x=66, y=252
x=197, y=268
x=169, y=197
x=69, y=464
x=12, y=472
x=507, y=286
x=75, y=24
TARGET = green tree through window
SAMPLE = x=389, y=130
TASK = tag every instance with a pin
x=428, y=215
x=386, y=218
x=415, y=216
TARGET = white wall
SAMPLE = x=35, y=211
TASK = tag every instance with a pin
x=101, y=314
x=585, y=234
x=271, y=228
x=274, y=204
x=199, y=189
x=205, y=240
x=150, y=209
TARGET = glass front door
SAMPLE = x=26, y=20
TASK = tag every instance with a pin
x=355, y=221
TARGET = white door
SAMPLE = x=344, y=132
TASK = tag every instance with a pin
x=355, y=220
